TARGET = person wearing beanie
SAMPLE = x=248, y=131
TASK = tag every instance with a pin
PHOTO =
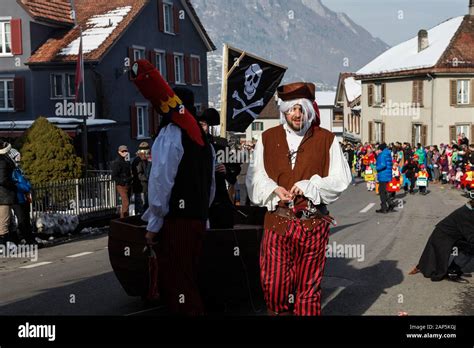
x=298, y=169
x=181, y=188
x=7, y=191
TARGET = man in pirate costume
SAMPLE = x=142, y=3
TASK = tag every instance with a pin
x=180, y=189
x=298, y=168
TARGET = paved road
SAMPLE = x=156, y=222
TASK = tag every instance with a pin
x=77, y=279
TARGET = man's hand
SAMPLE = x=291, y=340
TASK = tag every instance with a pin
x=295, y=191
x=220, y=168
x=149, y=237
x=283, y=194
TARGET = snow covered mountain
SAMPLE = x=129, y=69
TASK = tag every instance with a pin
x=313, y=41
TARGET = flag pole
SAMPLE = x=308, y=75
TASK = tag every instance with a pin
x=225, y=68
x=84, y=118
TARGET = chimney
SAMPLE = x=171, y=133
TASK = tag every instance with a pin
x=423, y=39
x=471, y=7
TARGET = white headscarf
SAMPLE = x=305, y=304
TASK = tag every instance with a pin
x=308, y=113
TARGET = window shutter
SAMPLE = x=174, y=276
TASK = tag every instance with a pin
x=133, y=121
x=188, y=78
x=17, y=42
x=420, y=93
x=424, y=134
x=371, y=131
x=176, y=19
x=452, y=133
x=472, y=92
x=151, y=121
x=413, y=135
x=151, y=57
x=19, y=93
x=197, y=70
x=383, y=93
x=170, y=67
x=371, y=94
x=161, y=16
x=414, y=93
x=453, y=92
x=383, y=132
x=472, y=135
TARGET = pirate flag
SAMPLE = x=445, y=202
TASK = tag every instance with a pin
x=164, y=100
x=252, y=82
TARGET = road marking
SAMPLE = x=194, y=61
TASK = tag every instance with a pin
x=81, y=254
x=367, y=208
x=37, y=264
x=145, y=310
x=333, y=295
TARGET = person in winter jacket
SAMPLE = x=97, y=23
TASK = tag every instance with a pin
x=410, y=169
x=122, y=175
x=384, y=176
x=7, y=191
x=21, y=208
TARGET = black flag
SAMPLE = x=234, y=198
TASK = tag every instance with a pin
x=249, y=88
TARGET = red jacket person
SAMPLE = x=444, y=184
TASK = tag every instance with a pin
x=298, y=168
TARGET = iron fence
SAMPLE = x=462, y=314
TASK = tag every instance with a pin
x=87, y=198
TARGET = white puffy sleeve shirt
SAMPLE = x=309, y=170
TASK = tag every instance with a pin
x=319, y=190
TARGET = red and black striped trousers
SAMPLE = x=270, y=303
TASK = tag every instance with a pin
x=179, y=250
x=291, y=269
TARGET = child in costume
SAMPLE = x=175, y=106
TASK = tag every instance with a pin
x=422, y=179
x=369, y=177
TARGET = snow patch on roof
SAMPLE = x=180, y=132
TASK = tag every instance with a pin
x=353, y=88
x=325, y=98
x=405, y=56
x=98, y=30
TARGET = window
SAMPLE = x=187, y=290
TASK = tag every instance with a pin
x=5, y=38
x=142, y=121
x=463, y=91
x=338, y=120
x=168, y=18
x=195, y=70
x=178, y=68
x=6, y=95
x=160, y=62
x=378, y=94
x=62, y=86
x=357, y=124
x=138, y=53
x=57, y=86
x=379, y=132
x=416, y=134
x=350, y=122
x=257, y=126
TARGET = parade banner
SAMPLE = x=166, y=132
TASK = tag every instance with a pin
x=248, y=83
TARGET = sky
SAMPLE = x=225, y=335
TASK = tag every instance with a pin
x=395, y=21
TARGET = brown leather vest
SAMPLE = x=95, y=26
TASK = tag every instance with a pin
x=312, y=159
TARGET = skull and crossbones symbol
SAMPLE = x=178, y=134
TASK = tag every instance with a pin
x=253, y=76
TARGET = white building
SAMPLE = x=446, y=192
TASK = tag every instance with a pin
x=422, y=90
x=348, y=97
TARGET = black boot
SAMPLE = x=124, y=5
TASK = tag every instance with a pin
x=3, y=244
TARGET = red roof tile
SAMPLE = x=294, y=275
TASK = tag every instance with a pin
x=85, y=9
x=56, y=11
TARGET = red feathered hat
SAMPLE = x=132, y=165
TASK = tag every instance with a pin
x=165, y=101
